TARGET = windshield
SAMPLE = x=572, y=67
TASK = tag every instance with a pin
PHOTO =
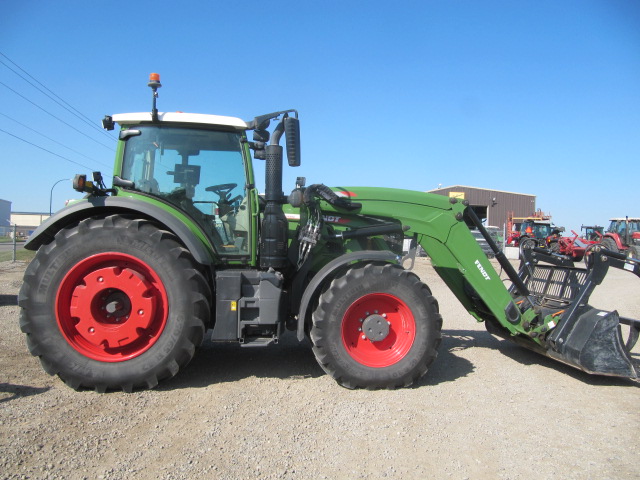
x=620, y=226
x=591, y=233
x=200, y=171
x=535, y=230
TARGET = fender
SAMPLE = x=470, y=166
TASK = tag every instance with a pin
x=329, y=269
x=106, y=205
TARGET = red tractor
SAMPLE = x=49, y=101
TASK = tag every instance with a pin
x=623, y=235
x=533, y=230
x=530, y=231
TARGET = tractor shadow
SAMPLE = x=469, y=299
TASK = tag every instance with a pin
x=527, y=357
x=224, y=363
x=449, y=367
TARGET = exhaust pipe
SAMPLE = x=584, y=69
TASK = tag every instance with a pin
x=273, y=237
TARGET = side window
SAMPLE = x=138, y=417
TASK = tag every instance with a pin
x=200, y=171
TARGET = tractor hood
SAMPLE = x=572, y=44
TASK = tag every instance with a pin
x=381, y=194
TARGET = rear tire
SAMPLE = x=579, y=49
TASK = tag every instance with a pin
x=113, y=303
x=610, y=244
x=394, y=312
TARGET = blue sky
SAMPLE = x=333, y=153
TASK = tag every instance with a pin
x=539, y=97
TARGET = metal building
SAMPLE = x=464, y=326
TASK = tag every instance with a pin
x=492, y=206
x=27, y=222
x=5, y=212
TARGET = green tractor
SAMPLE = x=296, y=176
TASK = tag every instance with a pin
x=127, y=281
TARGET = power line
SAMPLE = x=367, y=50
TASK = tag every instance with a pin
x=60, y=101
x=57, y=118
x=50, y=152
x=48, y=138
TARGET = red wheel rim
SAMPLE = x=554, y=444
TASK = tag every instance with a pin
x=111, y=307
x=397, y=342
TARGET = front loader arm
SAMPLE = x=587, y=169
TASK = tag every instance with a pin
x=438, y=223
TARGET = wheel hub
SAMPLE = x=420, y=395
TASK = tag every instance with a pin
x=378, y=330
x=116, y=304
x=375, y=327
x=111, y=307
x=114, y=318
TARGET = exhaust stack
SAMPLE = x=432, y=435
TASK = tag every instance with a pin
x=273, y=237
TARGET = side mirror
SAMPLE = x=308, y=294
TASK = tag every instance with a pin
x=292, y=133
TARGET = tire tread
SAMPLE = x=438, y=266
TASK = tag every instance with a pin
x=178, y=256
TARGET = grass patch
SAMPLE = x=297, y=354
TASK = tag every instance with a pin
x=21, y=255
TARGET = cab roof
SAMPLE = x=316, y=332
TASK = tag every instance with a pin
x=180, y=117
x=631, y=219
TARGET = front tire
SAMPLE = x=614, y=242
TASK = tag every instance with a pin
x=528, y=243
x=113, y=303
x=376, y=326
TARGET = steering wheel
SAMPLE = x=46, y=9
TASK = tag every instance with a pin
x=223, y=190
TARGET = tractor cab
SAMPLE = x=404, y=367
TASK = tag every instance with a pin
x=535, y=229
x=196, y=164
x=532, y=231
x=622, y=226
x=593, y=233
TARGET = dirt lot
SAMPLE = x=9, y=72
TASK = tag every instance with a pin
x=487, y=409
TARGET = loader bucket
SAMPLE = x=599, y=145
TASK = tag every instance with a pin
x=596, y=345
x=585, y=337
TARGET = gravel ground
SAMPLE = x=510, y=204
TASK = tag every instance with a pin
x=487, y=409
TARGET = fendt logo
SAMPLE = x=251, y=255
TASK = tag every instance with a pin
x=334, y=219
x=482, y=270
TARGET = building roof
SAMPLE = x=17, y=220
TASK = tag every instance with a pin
x=30, y=213
x=478, y=188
